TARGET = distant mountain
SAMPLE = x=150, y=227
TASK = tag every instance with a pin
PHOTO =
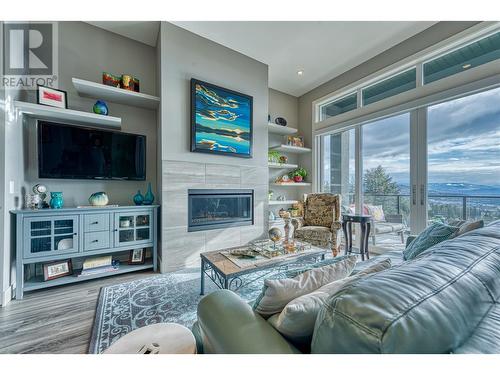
x=454, y=188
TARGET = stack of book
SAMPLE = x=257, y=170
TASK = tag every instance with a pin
x=93, y=266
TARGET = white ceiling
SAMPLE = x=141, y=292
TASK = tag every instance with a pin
x=323, y=50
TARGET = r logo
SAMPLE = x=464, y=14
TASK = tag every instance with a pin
x=28, y=49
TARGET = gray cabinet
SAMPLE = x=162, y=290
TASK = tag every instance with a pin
x=45, y=236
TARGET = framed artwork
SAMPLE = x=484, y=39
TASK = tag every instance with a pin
x=51, y=97
x=136, y=256
x=57, y=269
x=221, y=120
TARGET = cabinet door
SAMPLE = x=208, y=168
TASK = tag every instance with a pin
x=46, y=237
x=133, y=228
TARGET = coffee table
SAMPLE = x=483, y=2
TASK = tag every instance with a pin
x=226, y=274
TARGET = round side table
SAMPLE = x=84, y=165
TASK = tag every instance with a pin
x=365, y=224
x=160, y=338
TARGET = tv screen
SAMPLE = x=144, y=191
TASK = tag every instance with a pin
x=66, y=151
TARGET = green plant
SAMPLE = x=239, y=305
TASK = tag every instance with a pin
x=298, y=172
x=273, y=156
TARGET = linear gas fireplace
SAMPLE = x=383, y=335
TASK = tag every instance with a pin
x=219, y=208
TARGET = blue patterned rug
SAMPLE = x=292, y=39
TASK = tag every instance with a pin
x=162, y=298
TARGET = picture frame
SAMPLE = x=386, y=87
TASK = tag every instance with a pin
x=221, y=120
x=54, y=270
x=51, y=97
x=295, y=140
x=137, y=256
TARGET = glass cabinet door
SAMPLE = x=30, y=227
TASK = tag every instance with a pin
x=131, y=229
x=50, y=236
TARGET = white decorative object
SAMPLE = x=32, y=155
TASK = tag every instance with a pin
x=65, y=244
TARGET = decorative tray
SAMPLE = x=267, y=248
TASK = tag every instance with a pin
x=271, y=249
x=243, y=252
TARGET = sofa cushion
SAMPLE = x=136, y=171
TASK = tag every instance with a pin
x=284, y=287
x=383, y=227
x=431, y=236
x=313, y=233
x=431, y=304
x=296, y=321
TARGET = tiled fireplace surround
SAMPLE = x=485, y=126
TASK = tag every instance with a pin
x=180, y=248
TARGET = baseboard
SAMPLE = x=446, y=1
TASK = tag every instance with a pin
x=6, y=296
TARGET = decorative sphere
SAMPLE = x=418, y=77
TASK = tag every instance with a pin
x=275, y=234
x=99, y=199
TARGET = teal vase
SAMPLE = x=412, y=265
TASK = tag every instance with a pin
x=56, y=199
x=100, y=108
x=138, y=198
x=149, y=198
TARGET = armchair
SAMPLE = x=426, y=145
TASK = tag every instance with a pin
x=320, y=225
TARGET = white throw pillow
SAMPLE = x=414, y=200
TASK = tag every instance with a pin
x=296, y=321
x=277, y=292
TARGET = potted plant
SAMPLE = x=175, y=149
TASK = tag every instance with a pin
x=298, y=175
x=273, y=156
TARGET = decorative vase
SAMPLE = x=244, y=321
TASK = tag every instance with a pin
x=297, y=178
x=99, y=199
x=138, y=198
x=149, y=198
x=100, y=108
x=56, y=199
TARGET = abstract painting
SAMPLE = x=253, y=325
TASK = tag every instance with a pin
x=221, y=120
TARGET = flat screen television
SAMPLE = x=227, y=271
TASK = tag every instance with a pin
x=73, y=152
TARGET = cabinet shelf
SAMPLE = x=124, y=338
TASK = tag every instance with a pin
x=291, y=184
x=291, y=149
x=277, y=203
x=115, y=95
x=282, y=130
x=282, y=166
x=43, y=112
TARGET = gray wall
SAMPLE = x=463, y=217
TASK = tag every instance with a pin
x=85, y=52
x=423, y=40
x=185, y=55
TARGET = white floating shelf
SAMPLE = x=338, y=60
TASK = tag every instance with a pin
x=291, y=149
x=291, y=184
x=115, y=95
x=282, y=130
x=277, y=203
x=43, y=112
x=282, y=166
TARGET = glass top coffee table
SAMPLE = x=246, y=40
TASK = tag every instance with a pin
x=227, y=266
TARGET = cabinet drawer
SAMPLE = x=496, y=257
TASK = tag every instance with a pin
x=96, y=222
x=95, y=241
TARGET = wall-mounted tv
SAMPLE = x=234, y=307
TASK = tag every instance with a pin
x=74, y=152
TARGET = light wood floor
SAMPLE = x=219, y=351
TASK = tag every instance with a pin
x=55, y=320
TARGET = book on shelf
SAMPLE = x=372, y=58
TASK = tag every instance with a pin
x=99, y=270
x=96, y=262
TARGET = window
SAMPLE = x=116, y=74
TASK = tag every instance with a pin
x=389, y=87
x=347, y=103
x=472, y=55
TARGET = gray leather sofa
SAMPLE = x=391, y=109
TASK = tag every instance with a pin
x=444, y=301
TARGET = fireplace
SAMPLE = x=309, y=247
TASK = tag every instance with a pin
x=219, y=208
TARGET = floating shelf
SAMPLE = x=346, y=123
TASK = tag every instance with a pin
x=282, y=166
x=115, y=95
x=43, y=112
x=291, y=149
x=291, y=184
x=277, y=203
x=282, y=130
x=38, y=283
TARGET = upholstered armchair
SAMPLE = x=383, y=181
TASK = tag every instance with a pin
x=320, y=225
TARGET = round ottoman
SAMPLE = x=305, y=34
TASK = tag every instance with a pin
x=161, y=338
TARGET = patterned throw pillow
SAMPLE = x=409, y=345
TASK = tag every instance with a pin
x=284, y=287
x=377, y=213
x=431, y=236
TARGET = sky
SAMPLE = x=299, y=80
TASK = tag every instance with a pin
x=463, y=142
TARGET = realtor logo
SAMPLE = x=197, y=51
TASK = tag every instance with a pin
x=30, y=54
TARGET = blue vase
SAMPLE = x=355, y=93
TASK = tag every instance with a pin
x=56, y=199
x=100, y=108
x=149, y=198
x=138, y=198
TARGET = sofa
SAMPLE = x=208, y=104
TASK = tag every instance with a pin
x=446, y=300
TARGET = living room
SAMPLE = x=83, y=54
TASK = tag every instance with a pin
x=199, y=187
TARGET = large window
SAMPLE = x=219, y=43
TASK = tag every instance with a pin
x=392, y=86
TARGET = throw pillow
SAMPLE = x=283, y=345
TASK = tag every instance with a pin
x=284, y=287
x=431, y=236
x=377, y=213
x=296, y=321
x=469, y=226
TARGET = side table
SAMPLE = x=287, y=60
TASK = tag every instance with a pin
x=365, y=224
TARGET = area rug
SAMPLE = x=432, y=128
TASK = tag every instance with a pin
x=162, y=298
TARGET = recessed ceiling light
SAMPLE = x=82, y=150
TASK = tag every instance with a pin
x=466, y=66
x=300, y=72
